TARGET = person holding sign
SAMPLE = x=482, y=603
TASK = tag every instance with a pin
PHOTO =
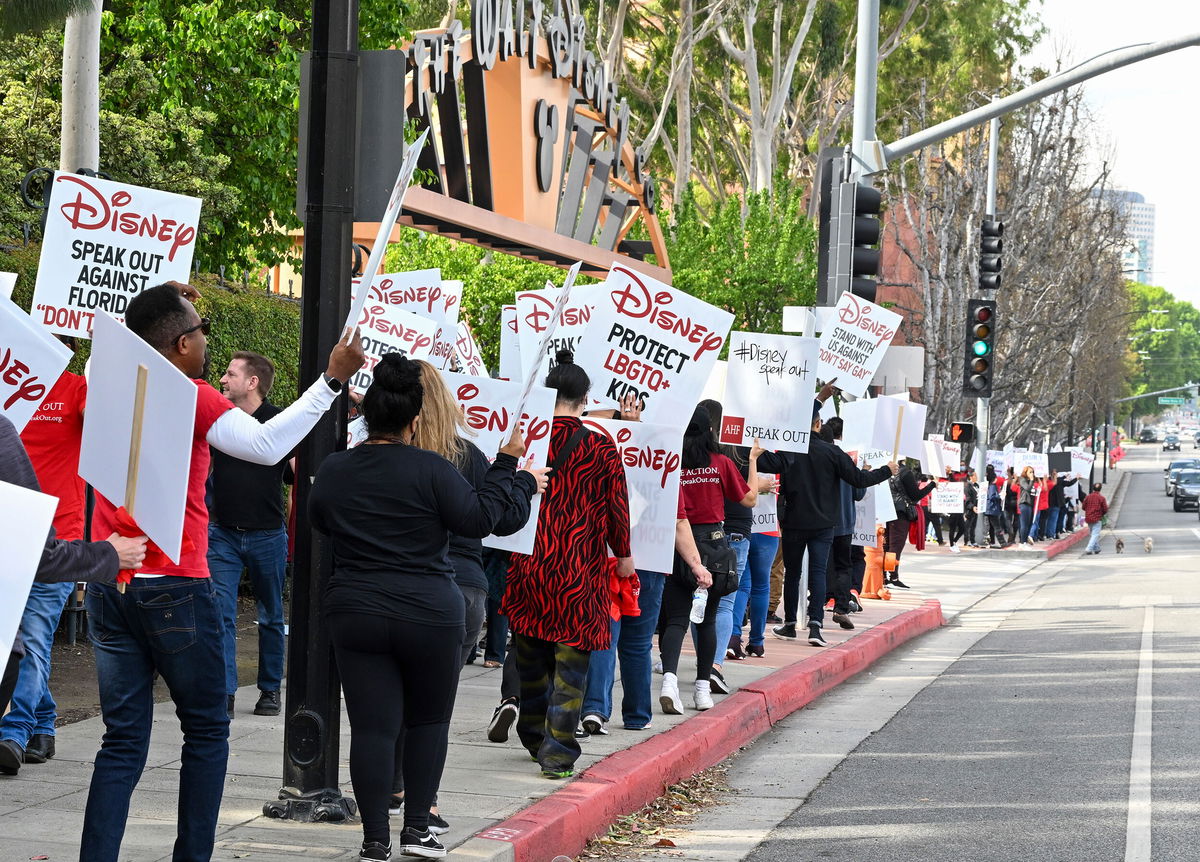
x=394, y=612
x=167, y=622
x=1026, y=486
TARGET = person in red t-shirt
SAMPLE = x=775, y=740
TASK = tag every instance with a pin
x=52, y=438
x=707, y=480
x=168, y=620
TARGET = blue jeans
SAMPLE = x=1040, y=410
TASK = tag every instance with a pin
x=33, y=709
x=732, y=608
x=263, y=553
x=818, y=544
x=1094, y=539
x=632, y=638
x=762, y=556
x=170, y=625
x=1050, y=523
x=1026, y=511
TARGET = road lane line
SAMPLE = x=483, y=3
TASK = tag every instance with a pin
x=1197, y=532
x=1137, y=826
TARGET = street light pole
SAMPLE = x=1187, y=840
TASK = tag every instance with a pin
x=866, y=75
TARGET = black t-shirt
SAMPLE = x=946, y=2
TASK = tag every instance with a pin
x=739, y=518
x=248, y=496
x=389, y=510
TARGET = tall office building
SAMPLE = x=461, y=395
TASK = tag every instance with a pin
x=1138, y=259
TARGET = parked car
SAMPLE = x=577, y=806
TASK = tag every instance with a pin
x=1187, y=490
x=1196, y=442
x=1171, y=443
x=1174, y=469
x=1147, y=436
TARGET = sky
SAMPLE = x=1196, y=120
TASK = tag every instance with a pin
x=1149, y=115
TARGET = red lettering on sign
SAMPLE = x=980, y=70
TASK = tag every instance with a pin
x=13, y=372
x=423, y=295
x=858, y=314
x=635, y=300
x=91, y=210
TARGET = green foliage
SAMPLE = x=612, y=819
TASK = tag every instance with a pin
x=29, y=16
x=1171, y=358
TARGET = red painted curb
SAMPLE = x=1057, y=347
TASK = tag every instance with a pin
x=562, y=823
x=1064, y=545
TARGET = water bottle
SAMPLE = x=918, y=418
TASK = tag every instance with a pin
x=699, y=602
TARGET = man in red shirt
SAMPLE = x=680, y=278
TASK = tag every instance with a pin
x=1095, y=507
x=52, y=438
x=168, y=620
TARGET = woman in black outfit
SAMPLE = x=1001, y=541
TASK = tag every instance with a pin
x=394, y=612
x=903, y=487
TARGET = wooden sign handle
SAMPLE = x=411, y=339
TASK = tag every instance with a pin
x=899, y=428
x=135, y=445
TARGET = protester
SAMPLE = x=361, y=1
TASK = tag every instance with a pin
x=394, y=612
x=1026, y=487
x=841, y=559
x=557, y=598
x=811, y=493
x=137, y=634
x=62, y=561
x=906, y=496
x=708, y=479
x=1095, y=507
x=52, y=438
x=971, y=507
x=1057, y=511
x=957, y=520
x=994, y=510
x=246, y=532
x=1012, y=521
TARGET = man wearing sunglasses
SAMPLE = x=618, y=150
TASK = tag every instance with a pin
x=168, y=621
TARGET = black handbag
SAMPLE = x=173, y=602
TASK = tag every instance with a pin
x=718, y=558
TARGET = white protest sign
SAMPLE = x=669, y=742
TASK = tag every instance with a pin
x=871, y=422
x=1037, y=460
x=651, y=457
x=765, y=515
x=356, y=432
x=447, y=334
x=551, y=320
x=167, y=431
x=510, y=345
x=31, y=361
x=885, y=507
x=1081, y=463
x=951, y=455
x=769, y=389
x=423, y=293
x=947, y=498
x=864, y=534
x=467, y=351
x=104, y=244
x=853, y=347
x=388, y=329
x=714, y=388
x=392, y=212
x=8, y=281
x=654, y=342
x=490, y=408
x=25, y=519
x=996, y=458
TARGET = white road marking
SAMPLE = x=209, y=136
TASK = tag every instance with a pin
x=1137, y=826
x=1197, y=532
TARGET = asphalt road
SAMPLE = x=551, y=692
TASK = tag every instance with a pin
x=1065, y=728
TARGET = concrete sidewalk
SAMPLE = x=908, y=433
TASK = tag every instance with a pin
x=489, y=792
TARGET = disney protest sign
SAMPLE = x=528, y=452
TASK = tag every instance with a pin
x=535, y=320
x=31, y=361
x=654, y=342
x=389, y=329
x=651, y=457
x=947, y=498
x=423, y=293
x=769, y=389
x=853, y=347
x=466, y=350
x=104, y=244
x=510, y=345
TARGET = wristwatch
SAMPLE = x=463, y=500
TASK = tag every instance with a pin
x=333, y=383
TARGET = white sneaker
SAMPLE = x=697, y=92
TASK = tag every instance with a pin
x=954, y=549
x=594, y=725
x=669, y=695
x=702, y=695
x=658, y=665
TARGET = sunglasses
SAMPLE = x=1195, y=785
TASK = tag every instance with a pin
x=205, y=326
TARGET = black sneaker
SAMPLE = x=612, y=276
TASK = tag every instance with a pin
x=814, y=635
x=414, y=843
x=580, y=733
x=438, y=824
x=855, y=607
x=373, y=851
x=787, y=631
x=396, y=804
x=896, y=582
x=843, y=621
x=502, y=722
x=772, y=618
x=716, y=682
x=268, y=703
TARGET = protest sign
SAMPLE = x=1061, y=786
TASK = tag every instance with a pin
x=105, y=243
x=25, y=519
x=1037, y=460
x=1059, y=462
x=852, y=348
x=8, y=280
x=769, y=389
x=466, y=350
x=552, y=319
x=765, y=515
x=356, y=432
x=510, y=345
x=447, y=334
x=388, y=329
x=1081, y=463
x=31, y=361
x=714, y=387
x=947, y=498
x=423, y=293
x=885, y=507
x=162, y=451
x=872, y=422
x=390, y=214
x=996, y=458
x=652, y=341
x=864, y=534
x=651, y=457
x=490, y=408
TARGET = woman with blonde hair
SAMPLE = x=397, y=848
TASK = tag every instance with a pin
x=1026, y=487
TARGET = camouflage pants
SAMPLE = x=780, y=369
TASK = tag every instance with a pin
x=553, y=677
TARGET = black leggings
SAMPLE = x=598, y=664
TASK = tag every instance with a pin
x=395, y=673
x=676, y=606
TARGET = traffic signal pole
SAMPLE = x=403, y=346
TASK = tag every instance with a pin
x=866, y=82
x=983, y=406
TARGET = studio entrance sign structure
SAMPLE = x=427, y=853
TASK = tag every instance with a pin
x=530, y=152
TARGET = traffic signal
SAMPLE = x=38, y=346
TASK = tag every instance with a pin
x=864, y=260
x=991, y=247
x=961, y=432
x=980, y=355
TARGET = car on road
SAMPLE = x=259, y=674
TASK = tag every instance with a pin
x=1174, y=469
x=1187, y=490
x=1171, y=443
x=1196, y=441
x=1147, y=436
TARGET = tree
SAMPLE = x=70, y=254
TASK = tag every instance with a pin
x=31, y=16
x=1166, y=346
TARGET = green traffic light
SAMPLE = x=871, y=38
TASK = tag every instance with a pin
x=981, y=348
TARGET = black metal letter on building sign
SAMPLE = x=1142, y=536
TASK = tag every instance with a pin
x=546, y=126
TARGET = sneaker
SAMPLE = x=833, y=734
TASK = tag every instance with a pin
x=829, y=604
x=594, y=725
x=814, y=635
x=755, y=650
x=580, y=733
x=658, y=665
x=556, y=775
x=502, y=722
x=734, y=650
x=786, y=632
x=954, y=550
x=229, y=704
x=645, y=726
x=668, y=696
x=855, y=607
x=843, y=621
x=773, y=618
x=438, y=824
x=896, y=582
x=373, y=851
x=702, y=695
x=268, y=703
x=396, y=804
x=717, y=681
x=414, y=843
